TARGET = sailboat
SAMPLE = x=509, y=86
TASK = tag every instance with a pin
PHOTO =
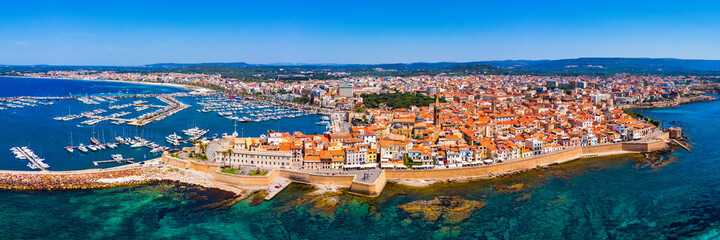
x=70, y=148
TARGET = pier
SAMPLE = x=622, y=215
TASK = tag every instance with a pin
x=675, y=141
x=276, y=187
x=124, y=160
x=174, y=107
x=35, y=161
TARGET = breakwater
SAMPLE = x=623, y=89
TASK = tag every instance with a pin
x=88, y=179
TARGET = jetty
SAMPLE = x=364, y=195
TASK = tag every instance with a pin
x=278, y=184
x=675, y=141
x=35, y=161
x=122, y=160
x=174, y=107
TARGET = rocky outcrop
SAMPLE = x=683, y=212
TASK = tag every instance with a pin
x=450, y=209
x=513, y=188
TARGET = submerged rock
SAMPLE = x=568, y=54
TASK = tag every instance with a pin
x=513, y=188
x=451, y=209
x=523, y=197
x=258, y=198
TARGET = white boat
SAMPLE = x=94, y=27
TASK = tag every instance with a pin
x=117, y=156
x=82, y=148
x=93, y=148
x=70, y=148
x=137, y=145
x=174, y=136
x=195, y=132
x=173, y=142
x=112, y=145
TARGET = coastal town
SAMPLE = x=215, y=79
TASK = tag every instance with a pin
x=466, y=121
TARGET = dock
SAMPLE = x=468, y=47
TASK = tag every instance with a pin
x=124, y=160
x=35, y=161
x=272, y=191
x=675, y=141
x=173, y=107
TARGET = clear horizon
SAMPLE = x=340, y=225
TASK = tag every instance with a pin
x=133, y=33
x=304, y=64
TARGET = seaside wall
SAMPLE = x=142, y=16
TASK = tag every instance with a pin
x=195, y=165
x=375, y=189
x=311, y=178
x=485, y=171
x=259, y=181
x=248, y=181
x=523, y=164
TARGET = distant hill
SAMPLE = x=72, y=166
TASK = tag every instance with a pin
x=185, y=65
x=649, y=64
x=608, y=64
x=294, y=72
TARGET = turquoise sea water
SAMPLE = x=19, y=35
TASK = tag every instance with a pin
x=599, y=198
x=35, y=127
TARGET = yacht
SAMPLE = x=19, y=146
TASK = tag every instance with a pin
x=117, y=157
x=82, y=148
x=195, y=132
x=93, y=148
x=69, y=149
x=174, y=136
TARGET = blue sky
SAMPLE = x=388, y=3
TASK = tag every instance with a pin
x=144, y=32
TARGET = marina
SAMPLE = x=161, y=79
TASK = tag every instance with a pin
x=59, y=132
x=247, y=110
x=25, y=153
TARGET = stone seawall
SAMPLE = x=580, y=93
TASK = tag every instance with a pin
x=524, y=164
x=374, y=189
x=259, y=181
x=311, y=178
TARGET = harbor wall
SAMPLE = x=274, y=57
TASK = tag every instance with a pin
x=375, y=189
x=259, y=181
x=205, y=167
x=321, y=179
x=248, y=181
x=524, y=164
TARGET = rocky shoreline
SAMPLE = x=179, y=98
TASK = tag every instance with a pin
x=100, y=179
x=674, y=103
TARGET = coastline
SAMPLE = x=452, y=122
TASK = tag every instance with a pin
x=208, y=174
x=674, y=103
x=112, y=177
x=428, y=182
x=173, y=85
